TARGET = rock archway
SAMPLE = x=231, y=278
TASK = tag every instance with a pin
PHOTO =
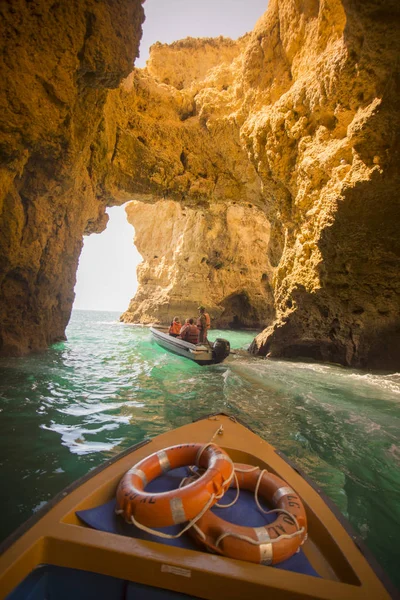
x=294, y=126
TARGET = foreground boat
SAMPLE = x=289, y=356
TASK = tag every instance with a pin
x=203, y=354
x=78, y=547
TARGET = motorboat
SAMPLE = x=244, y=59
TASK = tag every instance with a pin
x=81, y=546
x=209, y=353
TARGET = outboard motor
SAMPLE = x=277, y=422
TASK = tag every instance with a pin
x=221, y=349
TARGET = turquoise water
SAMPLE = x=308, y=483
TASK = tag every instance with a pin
x=67, y=410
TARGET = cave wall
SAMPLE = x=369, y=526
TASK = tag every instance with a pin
x=58, y=61
x=297, y=121
x=304, y=124
x=337, y=287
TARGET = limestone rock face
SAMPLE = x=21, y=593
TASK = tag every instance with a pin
x=303, y=123
x=214, y=257
x=331, y=141
x=57, y=62
x=193, y=58
x=294, y=127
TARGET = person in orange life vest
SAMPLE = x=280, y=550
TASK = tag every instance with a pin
x=175, y=327
x=203, y=323
x=189, y=332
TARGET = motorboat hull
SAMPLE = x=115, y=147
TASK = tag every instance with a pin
x=202, y=354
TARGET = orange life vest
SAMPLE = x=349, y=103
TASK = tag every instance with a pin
x=192, y=334
x=175, y=328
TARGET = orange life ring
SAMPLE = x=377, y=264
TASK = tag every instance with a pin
x=176, y=506
x=229, y=539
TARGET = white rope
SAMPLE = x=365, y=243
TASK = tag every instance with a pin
x=219, y=431
x=196, y=476
x=196, y=473
x=209, y=503
x=284, y=536
x=238, y=536
x=202, y=450
x=237, y=470
x=223, y=490
x=199, y=531
x=187, y=480
x=247, y=470
x=169, y=536
x=275, y=510
x=236, y=497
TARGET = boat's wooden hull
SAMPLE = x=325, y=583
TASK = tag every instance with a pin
x=202, y=354
x=56, y=536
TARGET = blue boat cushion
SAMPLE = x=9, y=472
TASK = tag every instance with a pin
x=245, y=512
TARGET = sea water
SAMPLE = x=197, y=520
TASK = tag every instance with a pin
x=65, y=411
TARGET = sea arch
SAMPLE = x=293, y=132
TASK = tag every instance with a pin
x=296, y=122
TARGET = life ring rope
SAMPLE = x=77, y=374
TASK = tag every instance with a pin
x=277, y=510
x=300, y=530
x=236, y=497
x=283, y=536
x=191, y=523
x=169, y=536
x=212, y=530
x=237, y=470
x=244, y=538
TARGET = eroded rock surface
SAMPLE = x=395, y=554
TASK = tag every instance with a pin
x=297, y=123
x=57, y=61
x=214, y=257
x=303, y=123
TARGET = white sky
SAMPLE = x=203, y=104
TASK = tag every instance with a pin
x=171, y=20
x=106, y=278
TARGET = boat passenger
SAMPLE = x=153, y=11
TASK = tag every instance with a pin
x=189, y=332
x=203, y=324
x=175, y=327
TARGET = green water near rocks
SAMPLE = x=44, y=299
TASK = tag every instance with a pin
x=109, y=386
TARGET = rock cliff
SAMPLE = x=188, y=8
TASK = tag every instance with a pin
x=57, y=62
x=302, y=123
x=277, y=153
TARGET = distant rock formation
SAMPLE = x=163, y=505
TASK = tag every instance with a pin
x=291, y=132
x=214, y=257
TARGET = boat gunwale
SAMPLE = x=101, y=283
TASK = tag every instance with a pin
x=172, y=339
x=347, y=526
x=177, y=341
x=62, y=494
